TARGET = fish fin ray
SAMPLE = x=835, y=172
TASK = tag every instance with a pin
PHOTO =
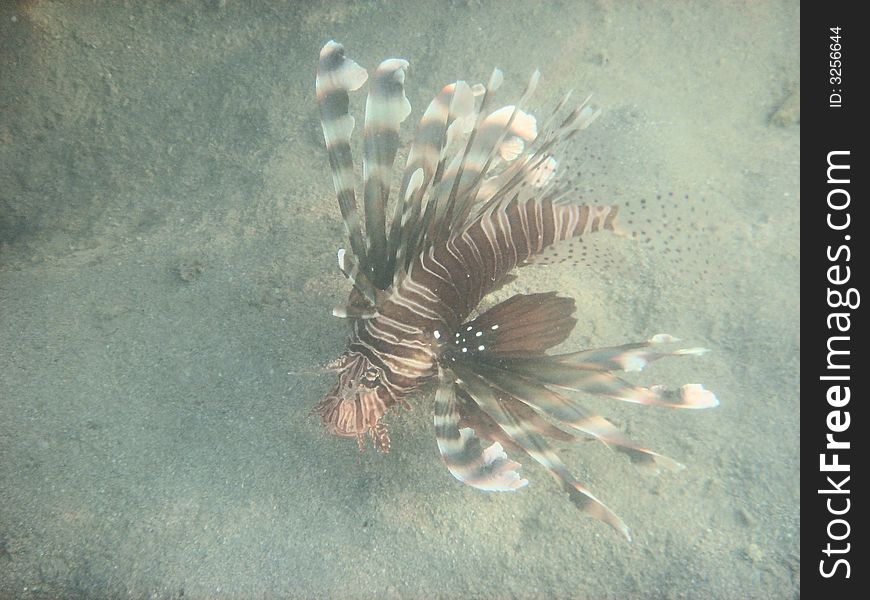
x=514, y=425
x=386, y=108
x=486, y=469
x=568, y=412
x=523, y=325
x=445, y=113
x=338, y=75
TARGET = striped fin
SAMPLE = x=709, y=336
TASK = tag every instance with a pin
x=503, y=133
x=486, y=428
x=536, y=168
x=533, y=422
x=336, y=76
x=386, y=108
x=349, y=266
x=603, y=430
x=527, y=225
x=564, y=411
x=537, y=176
x=627, y=357
x=443, y=197
x=535, y=446
x=523, y=325
x=562, y=371
x=455, y=102
x=578, y=118
x=475, y=260
x=484, y=144
x=522, y=214
x=467, y=461
x=582, y=116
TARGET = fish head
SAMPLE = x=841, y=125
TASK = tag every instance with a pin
x=355, y=404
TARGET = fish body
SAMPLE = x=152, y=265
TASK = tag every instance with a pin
x=479, y=197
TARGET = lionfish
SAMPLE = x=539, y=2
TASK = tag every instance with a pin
x=479, y=197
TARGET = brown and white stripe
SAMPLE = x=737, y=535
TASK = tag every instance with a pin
x=589, y=372
x=455, y=102
x=445, y=283
x=485, y=469
x=474, y=203
x=560, y=409
x=336, y=76
x=386, y=108
x=535, y=446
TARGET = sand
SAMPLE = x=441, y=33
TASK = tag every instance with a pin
x=167, y=268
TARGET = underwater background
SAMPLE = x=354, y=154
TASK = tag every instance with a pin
x=168, y=231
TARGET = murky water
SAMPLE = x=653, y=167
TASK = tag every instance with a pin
x=167, y=268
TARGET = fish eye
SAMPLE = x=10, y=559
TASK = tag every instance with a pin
x=370, y=379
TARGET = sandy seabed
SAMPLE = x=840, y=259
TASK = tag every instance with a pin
x=167, y=264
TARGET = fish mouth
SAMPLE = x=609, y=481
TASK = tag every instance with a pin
x=354, y=417
x=340, y=411
x=335, y=416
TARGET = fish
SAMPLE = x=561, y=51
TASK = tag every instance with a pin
x=478, y=198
